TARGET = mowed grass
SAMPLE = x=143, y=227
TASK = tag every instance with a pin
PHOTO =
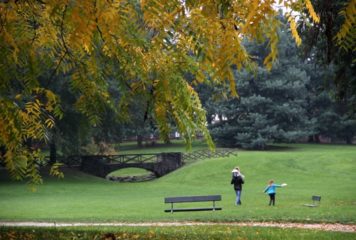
x=326, y=170
x=170, y=233
x=127, y=172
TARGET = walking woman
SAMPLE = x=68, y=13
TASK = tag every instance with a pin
x=237, y=180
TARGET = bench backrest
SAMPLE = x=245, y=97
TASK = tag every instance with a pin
x=316, y=198
x=193, y=199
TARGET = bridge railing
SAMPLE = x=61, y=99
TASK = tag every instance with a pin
x=76, y=160
x=126, y=158
x=203, y=154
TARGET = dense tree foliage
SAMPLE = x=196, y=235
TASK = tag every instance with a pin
x=333, y=41
x=332, y=118
x=330, y=45
x=289, y=103
x=272, y=105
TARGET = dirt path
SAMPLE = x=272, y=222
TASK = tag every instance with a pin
x=335, y=227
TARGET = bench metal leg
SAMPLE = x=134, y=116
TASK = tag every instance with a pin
x=213, y=205
x=172, y=208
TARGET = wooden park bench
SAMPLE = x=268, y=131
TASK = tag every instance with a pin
x=189, y=199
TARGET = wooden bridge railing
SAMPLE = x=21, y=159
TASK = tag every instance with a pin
x=126, y=158
x=202, y=154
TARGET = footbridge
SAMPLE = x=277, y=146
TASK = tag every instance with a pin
x=160, y=163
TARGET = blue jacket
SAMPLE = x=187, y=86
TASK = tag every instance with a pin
x=272, y=188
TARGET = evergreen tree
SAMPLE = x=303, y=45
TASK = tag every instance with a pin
x=332, y=117
x=271, y=106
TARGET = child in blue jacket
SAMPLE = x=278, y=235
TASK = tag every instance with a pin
x=271, y=191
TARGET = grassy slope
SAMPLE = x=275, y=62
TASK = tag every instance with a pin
x=327, y=170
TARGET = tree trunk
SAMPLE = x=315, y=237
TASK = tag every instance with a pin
x=348, y=140
x=2, y=155
x=316, y=138
x=139, y=140
x=167, y=141
x=52, y=153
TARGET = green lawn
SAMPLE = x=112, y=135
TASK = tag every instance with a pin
x=171, y=233
x=126, y=172
x=326, y=170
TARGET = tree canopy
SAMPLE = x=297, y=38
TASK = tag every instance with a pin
x=145, y=48
x=287, y=104
x=332, y=41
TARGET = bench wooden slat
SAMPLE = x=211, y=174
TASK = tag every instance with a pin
x=192, y=209
x=193, y=199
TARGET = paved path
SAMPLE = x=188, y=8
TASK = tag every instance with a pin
x=335, y=227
